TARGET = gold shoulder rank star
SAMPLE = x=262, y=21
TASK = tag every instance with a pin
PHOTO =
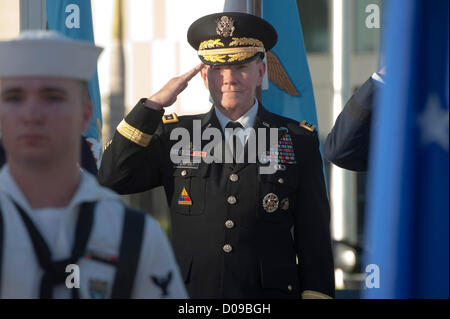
x=278, y=75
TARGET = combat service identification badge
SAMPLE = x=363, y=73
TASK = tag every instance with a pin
x=270, y=202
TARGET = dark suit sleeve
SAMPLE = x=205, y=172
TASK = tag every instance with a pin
x=312, y=223
x=131, y=162
x=348, y=143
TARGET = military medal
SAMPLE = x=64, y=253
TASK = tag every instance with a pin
x=269, y=156
x=284, y=205
x=286, y=153
x=184, y=198
x=270, y=202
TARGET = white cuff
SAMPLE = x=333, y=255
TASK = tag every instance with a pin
x=377, y=77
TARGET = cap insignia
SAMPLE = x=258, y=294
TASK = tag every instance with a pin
x=225, y=26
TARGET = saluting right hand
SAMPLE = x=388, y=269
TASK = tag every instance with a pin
x=168, y=94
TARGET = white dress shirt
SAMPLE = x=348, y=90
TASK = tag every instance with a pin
x=378, y=80
x=247, y=121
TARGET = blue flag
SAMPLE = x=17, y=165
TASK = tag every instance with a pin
x=73, y=18
x=290, y=90
x=408, y=219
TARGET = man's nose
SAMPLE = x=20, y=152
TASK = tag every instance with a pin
x=229, y=76
x=32, y=111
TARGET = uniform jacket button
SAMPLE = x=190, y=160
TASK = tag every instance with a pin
x=229, y=224
x=234, y=177
x=280, y=180
x=227, y=248
x=289, y=287
x=183, y=172
x=231, y=200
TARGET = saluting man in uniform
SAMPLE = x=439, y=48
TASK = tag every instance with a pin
x=348, y=143
x=231, y=224
x=61, y=234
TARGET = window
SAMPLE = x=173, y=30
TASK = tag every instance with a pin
x=314, y=18
x=9, y=19
x=366, y=39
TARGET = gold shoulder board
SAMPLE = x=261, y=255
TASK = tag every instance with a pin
x=307, y=126
x=171, y=118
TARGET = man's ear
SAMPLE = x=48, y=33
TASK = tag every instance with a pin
x=204, y=75
x=261, y=72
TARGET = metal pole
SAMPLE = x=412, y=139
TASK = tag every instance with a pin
x=255, y=7
x=33, y=15
x=343, y=182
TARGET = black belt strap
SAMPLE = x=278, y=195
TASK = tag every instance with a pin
x=55, y=272
x=130, y=250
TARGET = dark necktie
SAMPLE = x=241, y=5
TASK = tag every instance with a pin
x=55, y=272
x=238, y=147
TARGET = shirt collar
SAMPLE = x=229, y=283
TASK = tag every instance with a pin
x=247, y=120
x=88, y=190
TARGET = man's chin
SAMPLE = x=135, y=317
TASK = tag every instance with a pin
x=33, y=158
x=230, y=104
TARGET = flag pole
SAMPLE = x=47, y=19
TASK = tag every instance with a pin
x=255, y=7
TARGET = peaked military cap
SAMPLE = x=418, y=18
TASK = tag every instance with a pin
x=231, y=38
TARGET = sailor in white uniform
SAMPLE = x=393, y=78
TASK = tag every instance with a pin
x=61, y=234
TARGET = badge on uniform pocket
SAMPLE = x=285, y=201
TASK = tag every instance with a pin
x=270, y=202
x=184, y=198
x=97, y=288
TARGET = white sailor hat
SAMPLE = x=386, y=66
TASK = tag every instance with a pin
x=49, y=54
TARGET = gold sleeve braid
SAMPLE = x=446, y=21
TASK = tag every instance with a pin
x=133, y=134
x=311, y=294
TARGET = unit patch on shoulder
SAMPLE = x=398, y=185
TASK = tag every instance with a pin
x=308, y=126
x=170, y=118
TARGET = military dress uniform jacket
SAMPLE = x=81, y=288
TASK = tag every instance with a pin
x=228, y=243
x=348, y=143
x=157, y=274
